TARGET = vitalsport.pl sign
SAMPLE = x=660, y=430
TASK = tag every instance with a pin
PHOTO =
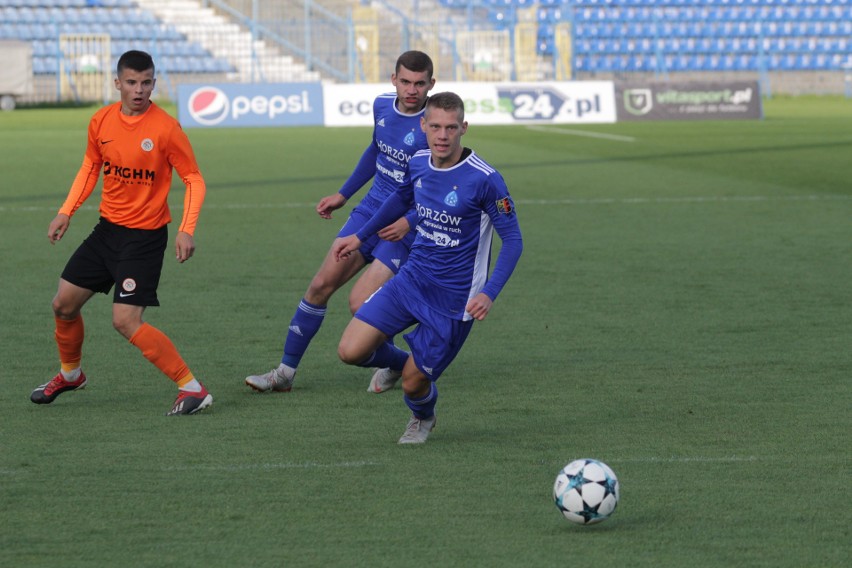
x=689, y=101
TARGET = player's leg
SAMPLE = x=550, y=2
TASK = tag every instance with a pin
x=421, y=396
x=85, y=273
x=384, y=378
x=307, y=320
x=137, y=277
x=359, y=344
x=365, y=340
x=388, y=259
x=157, y=348
x=370, y=280
x=435, y=342
x=69, y=333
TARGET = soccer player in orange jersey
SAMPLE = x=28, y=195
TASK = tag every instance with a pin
x=136, y=144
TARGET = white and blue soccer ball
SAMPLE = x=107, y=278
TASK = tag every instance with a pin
x=586, y=491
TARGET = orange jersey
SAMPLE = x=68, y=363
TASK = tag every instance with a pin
x=137, y=155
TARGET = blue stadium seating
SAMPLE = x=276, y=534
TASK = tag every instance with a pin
x=40, y=22
x=692, y=35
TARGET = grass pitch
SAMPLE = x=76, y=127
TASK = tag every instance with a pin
x=682, y=312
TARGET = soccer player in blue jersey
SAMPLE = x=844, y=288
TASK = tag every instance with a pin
x=396, y=137
x=460, y=200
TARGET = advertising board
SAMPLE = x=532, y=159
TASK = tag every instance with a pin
x=734, y=100
x=488, y=103
x=258, y=104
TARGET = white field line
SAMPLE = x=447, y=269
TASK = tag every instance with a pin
x=272, y=466
x=586, y=133
x=545, y=202
x=235, y=468
x=690, y=459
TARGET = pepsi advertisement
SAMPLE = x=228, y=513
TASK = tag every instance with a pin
x=262, y=104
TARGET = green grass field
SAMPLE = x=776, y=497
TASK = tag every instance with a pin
x=682, y=311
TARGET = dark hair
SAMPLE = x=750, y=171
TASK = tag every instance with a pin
x=447, y=101
x=416, y=61
x=136, y=60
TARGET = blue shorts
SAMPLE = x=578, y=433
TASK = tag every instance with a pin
x=435, y=341
x=391, y=254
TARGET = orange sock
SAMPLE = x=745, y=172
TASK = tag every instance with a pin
x=159, y=350
x=69, y=338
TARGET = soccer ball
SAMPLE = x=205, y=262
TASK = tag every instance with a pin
x=586, y=491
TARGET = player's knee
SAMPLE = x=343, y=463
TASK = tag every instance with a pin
x=63, y=310
x=346, y=354
x=125, y=325
x=120, y=325
x=415, y=385
x=353, y=352
x=320, y=291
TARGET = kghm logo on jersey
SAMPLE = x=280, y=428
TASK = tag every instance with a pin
x=452, y=198
x=208, y=105
x=409, y=138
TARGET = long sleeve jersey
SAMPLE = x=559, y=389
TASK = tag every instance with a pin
x=396, y=137
x=458, y=209
x=137, y=155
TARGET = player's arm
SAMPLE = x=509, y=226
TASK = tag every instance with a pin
x=196, y=190
x=500, y=208
x=182, y=158
x=363, y=172
x=330, y=203
x=391, y=210
x=397, y=230
x=81, y=188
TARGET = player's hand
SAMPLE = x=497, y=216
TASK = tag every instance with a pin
x=479, y=306
x=395, y=231
x=184, y=246
x=57, y=227
x=345, y=246
x=330, y=203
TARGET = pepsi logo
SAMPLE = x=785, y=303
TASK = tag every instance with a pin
x=208, y=106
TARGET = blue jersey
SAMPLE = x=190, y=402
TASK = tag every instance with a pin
x=396, y=137
x=458, y=209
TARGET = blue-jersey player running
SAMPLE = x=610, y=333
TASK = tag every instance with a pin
x=396, y=137
x=460, y=200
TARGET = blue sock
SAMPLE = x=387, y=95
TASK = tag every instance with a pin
x=387, y=355
x=303, y=327
x=423, y=407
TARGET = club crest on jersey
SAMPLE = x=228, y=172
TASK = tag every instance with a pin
x=409, y=138
x=504, y=205
x=147, y=144
x=452, y=198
